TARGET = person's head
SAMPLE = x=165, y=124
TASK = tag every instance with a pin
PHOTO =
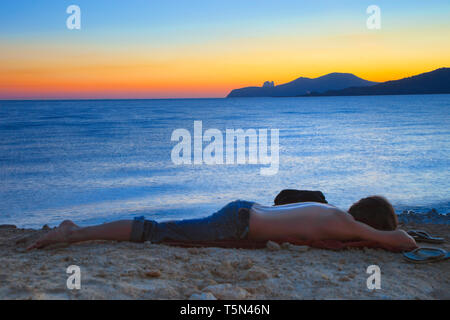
x=376, y=211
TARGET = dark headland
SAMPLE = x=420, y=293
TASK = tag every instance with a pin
x=346, y=84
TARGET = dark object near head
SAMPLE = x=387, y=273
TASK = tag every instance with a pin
x=295, y=196
x=376, y=211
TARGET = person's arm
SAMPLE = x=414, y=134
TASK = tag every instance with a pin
x=397, y=238
x=345, y=227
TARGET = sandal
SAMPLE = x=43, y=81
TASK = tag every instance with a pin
x=423, y=236
x=426, y=255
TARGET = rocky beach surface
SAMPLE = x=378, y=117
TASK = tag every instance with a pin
x=111, y=270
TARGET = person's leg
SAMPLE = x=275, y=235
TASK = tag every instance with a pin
x=69, y=232
x=229, y=223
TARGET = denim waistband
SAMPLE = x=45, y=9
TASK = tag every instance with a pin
x=231, y=222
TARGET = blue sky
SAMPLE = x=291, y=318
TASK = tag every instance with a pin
x=158, y=45
x=22, y=17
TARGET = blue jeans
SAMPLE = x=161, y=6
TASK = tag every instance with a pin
x=230, y=223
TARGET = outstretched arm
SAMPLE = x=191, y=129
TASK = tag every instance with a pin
x=344, y=227
x=397, y=238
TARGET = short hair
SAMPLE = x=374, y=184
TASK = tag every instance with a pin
x=375, y=211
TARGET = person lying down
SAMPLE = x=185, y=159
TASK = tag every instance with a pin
x=370, y=219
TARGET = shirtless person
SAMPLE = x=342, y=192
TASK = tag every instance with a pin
x=372, y=218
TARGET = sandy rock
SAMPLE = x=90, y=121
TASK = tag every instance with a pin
x=152, y=274
x=181, y=257
x=344, y=279
x=102, y=274
x=273, y=246
x=196, y=267
x=148, y=244
x=285, y=245
x=251, y=290
x=193, y=250
x=256, y=273
x=224, y=270
x=202, y=296
x=128, y=273
x=206, y=283
x=325, y=277
x=227, y=292
x=246, y=264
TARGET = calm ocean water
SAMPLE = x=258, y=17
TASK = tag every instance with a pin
x=96, y=161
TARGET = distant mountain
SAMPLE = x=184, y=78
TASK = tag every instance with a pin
x=302, y=86
x=434, y=82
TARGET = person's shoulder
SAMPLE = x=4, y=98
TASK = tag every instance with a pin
x=341, y=214
x=327, y=206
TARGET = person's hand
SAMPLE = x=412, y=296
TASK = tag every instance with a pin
x=401, y=239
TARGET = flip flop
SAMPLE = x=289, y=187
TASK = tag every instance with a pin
x=423, y=236
x=426, y=255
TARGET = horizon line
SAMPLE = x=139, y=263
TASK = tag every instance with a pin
x=224, y=98
x=199, y=98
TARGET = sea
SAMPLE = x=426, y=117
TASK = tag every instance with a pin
x=94, y=161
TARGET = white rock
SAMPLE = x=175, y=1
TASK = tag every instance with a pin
x=273, y=246
x=227, y=292
x=256, y=273
x=285, y=245
x=148, y=244
x=202, y=296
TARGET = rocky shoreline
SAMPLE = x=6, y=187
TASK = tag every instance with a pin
x=430, y=217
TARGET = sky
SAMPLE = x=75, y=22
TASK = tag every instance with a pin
x=198, y=48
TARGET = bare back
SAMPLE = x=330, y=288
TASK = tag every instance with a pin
x=302, y=221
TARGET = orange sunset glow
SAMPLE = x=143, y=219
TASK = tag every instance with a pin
x=75, y=65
